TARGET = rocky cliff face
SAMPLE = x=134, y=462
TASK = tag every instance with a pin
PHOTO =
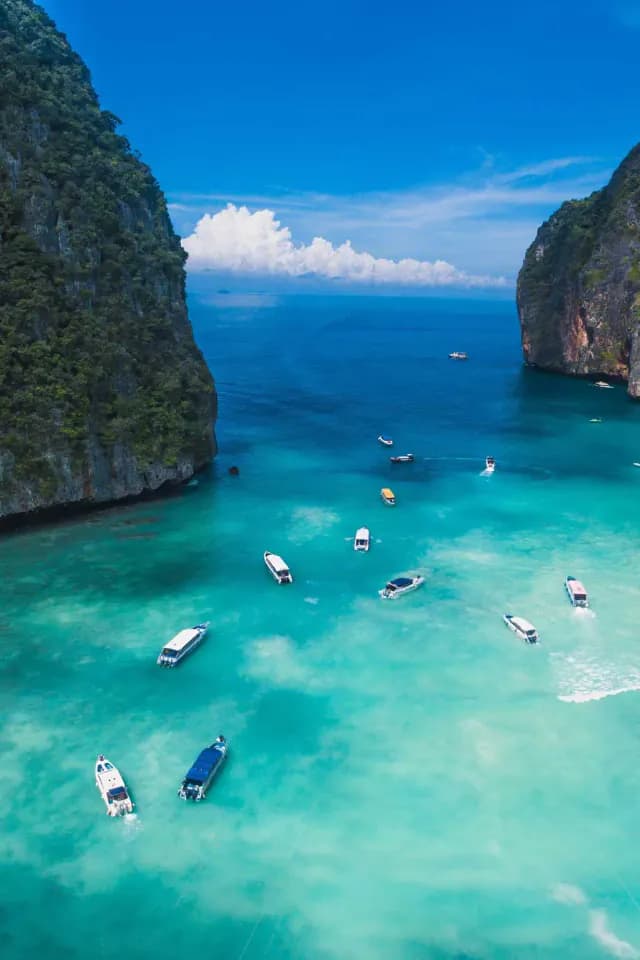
x=579, y=287
x=103, y=392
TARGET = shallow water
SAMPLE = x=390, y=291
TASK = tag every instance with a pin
x=406, y=779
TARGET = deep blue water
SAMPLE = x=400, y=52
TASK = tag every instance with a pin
x=406, y=779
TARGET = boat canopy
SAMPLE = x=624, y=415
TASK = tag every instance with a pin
x=181, y=640
x=523, y=625
x=277, y=563
x=576, y=587
x=118, y=793
x=401, y=582
x=386, y=492
x=204, y=765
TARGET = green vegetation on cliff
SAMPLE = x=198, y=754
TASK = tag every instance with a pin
x=95, y=346
x=579, y=286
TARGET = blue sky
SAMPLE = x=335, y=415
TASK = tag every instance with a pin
x=437, y=132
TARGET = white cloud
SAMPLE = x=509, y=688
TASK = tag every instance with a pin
x=482, y=221
x=239, y=241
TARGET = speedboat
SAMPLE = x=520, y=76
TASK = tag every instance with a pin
x=595, y=420
x=458, y=355
x=277, y=568
x=385, y=441
x=395, y=588
x=490, y=464
x=522, y=628
x=405, y=458
x=201, y=774
x=182, y=645
x=362, y=539
x=112, y=788
x=603, y=385
x=388, y=496
x=576, y=592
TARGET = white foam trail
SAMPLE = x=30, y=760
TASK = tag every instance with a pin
x=599, y=930
x=312, y=600
x=581, y=697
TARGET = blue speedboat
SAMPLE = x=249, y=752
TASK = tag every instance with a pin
x=200, y=776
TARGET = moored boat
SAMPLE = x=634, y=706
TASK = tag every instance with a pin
x=182, y=645
x=490, y=464
x=405, y=458
x=362, y=539
x=458, y=355
x=576, y=592
x=200, y=776
x=522, y=628
x=399, y=586
x=385, y=441
x=603, y=385
x=277, y=567
x=388, y=496
x=112, y=788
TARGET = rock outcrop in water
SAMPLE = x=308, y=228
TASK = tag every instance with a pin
x=103, y=392
x=579, y=287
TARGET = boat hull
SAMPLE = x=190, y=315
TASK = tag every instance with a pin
x=519, y=633
x=112, y=789
x=163, y=661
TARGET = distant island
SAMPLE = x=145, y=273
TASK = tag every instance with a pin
x=578, y=290
x=103, y=392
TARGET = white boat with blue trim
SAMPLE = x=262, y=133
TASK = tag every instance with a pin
x=576, y=592
x=182, y=645
x=362, y=539
x=112, y=788
x=522, y=628
x=399, y=586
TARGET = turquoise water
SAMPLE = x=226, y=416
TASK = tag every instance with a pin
x=406, y=780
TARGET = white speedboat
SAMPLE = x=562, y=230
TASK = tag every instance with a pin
x=401, y=585
x=603, y=385
x=385, y=441
x=182, y=645
x=200, y=776
x=404, y=458
x=388, y=496
x=277, y=568
x=362, y=539
x=576, y=592
x=458, y=355
x=112, y=788
x=490, y=464
x=522, y=628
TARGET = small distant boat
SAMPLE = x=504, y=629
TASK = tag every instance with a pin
x=458, y=355
x=388, y=496
x=405, y=458
x=362, y=539
x=112, y=788
x=399, y=586
x=636, y=464
x=385, y=441
x=200, y=776
x=182, y=645
x=277, y=568
x=576, y=592
x=595, y=420
x=603, y=385
x=522, y=628
x=490, y=464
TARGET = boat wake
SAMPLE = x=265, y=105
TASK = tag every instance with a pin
x=584, y=679
x=312, y=600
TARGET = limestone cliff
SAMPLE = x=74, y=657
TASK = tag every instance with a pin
x=103, y=392
x=579, y=287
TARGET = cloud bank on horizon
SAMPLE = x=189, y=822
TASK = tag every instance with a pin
x=237, y=240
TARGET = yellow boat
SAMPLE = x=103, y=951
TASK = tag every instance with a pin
x=388, y=496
